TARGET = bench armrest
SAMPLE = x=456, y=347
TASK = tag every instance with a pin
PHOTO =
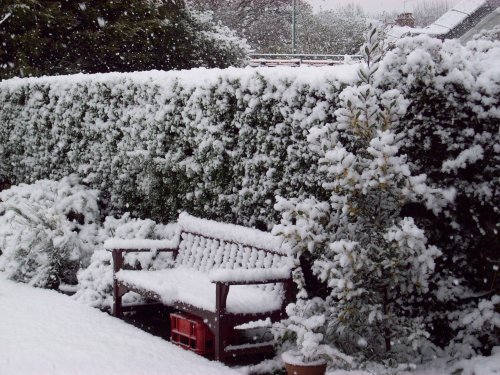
x=140, y=245
x=243, y=276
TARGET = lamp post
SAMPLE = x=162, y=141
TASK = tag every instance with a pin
x=293, y=27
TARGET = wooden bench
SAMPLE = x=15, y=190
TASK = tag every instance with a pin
x=226, y=274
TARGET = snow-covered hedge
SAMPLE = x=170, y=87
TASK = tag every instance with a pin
x=452, y=128
x=217, y=143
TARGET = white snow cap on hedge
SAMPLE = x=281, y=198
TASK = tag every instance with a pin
x=233, y=233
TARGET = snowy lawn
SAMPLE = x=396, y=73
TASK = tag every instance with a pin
x=43, y=332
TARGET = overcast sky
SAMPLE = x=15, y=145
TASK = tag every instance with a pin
x=371, y=5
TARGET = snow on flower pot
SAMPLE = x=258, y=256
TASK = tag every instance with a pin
x=295, y=365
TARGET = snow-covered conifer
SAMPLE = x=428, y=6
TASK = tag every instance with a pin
x=374, y=262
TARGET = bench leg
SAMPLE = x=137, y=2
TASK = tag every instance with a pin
x=221, y=292
x=117, y=305
x=222, y=339
x=219, y=345
x=117, y=292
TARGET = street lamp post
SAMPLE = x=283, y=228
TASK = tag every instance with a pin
x=293, y=27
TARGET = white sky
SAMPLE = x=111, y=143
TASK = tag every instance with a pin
x=371, y=5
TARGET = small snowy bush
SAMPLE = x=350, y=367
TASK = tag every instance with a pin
x=306, y=328
x=47, y=231
x=95, y=282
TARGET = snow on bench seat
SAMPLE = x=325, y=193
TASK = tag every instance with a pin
x=194, y=287
x=249, y=275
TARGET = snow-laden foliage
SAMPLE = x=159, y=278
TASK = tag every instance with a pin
x=266, y=25
x=337, y=31
x=47, y=231
x=306, y=326
x=491, y=35
x=375, y=262
x=218, y=45
x=95, y=282
x=217, y=143
x=65, y=37
x=452, y=136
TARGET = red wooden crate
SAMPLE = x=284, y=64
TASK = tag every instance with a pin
x=189, y=332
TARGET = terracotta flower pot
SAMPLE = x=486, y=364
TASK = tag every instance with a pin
x=313, y=369
x=295, y=365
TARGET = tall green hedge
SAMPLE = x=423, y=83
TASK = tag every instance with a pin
x=218, y=143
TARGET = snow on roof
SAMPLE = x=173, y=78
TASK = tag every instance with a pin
x=487, y=23
x=444, y=24
x=433, y=29
x=233, y=233
x=451, y=19
x=454, y=17
x=469, y=6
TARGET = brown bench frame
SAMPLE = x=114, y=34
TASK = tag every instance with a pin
x=220, y=322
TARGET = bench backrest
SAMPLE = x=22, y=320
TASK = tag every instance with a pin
x=205, y=245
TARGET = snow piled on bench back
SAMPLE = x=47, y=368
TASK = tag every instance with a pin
x=140, y=244
x=232, y=233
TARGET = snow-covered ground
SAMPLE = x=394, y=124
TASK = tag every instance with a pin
x=43, y=332
x=46, y=333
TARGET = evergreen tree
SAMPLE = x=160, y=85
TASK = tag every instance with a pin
x=61, y=37
x=375, y=262
x=266, y=24
x=337, y=31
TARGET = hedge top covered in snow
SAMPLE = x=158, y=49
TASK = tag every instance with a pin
x=195, y=78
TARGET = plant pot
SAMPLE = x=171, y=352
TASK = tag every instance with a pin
x=313, y=369
x=295, y=366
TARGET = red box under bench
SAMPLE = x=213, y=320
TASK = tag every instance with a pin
x=191, y=333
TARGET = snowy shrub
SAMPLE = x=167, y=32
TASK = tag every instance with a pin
x=375, y=262
x=306, y=327
x=47, y=231
x=217, y=143
x=491, y=35
x=95, y=282
x=219, y=45
x=452, y=136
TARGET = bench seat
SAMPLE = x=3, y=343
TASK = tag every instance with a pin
x=193, y=287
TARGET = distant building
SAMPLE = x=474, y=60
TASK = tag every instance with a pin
x=463, y=18
x=405, y=19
